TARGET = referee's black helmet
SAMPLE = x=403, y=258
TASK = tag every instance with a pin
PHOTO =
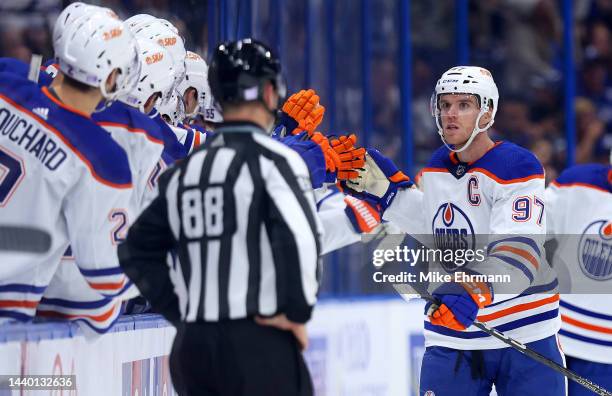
x=239, y=70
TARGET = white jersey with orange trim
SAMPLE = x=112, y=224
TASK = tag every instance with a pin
x=499, y=198
x=579, y=213
x=63, y=174
x=68, y=295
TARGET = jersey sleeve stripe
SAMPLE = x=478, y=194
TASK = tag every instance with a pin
x=102, y=271
x=130, y=129
x=17, y=287
x=523, y=253
x=97, y=318
x=18, y=304
x=587, y=326
x=107, y=285
x=67, y=143
x=516, y=264
x=75, y=304
x=525, y=240
x=509, y=181
x=518, y=308
x=436, y=170
x=578, y=184
x=16, y=315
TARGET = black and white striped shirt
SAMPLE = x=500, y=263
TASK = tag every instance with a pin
x=240, y=215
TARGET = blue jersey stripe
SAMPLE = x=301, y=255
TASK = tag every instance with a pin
x=76, y=304
x=584, y=338
x=520, y=239
x=16, y=287
x=102, y=272
x=15, y=315
x=583, y=311
x=504, y=327
x=516, y=264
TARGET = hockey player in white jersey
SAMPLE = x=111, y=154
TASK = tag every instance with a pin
x=579, y=220
x=474, y=189
x=64, y=174
x=68, y=295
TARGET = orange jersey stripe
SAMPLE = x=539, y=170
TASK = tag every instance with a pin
x=18, y=304
x=518, y=308
x=501, y=181
x=98, y=318
x=583, y=325
x=523, y=253
x=110, y=285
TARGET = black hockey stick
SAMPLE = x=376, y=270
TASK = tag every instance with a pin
x=24, y=239
x=522, y=348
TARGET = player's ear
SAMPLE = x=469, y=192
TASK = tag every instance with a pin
x=486, y=117
x=270, y=96
x=111, y=81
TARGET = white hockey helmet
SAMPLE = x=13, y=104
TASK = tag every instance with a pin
x=136, y=21
x=159, y=32
x=471, y=80
x=73, y=12
x=174, y=108
x=196, y=73
x=156, y=74
x=95, y=45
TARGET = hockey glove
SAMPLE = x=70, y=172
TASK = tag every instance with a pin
x=312, y=155
x=351, y=157
x=363, y=216
x=332, y=159
x=378, y=181
x=460, y=304
x=302, y=112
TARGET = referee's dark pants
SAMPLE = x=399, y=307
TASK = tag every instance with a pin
x=235, y=358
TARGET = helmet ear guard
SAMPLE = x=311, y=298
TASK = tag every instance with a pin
x=471, y=80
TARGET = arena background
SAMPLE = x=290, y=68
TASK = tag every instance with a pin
x=375, y=63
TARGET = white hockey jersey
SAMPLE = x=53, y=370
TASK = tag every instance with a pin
x=498, y=199
x=61, y=173
x=68, y=295
x=579, y=213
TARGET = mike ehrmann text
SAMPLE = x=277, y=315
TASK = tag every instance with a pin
x=438, y=277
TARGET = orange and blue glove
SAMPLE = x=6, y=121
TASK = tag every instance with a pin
x=460, y=303
x=350, y=157
x=378, y=181
x=363, y=216
x=302, y=112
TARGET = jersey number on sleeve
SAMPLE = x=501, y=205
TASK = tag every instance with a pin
x=11, y=174
x=522, y=207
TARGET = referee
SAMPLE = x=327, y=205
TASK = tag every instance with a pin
x=240, y=215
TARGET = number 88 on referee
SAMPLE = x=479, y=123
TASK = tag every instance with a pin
x=238, y=219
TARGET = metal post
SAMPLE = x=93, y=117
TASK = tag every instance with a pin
x=213, y=38
x=462, y=32
x=569, y=72
x=405, y=49
x=366, y=70
x=308, y=43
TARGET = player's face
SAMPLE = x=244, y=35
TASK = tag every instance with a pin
x=458, y=115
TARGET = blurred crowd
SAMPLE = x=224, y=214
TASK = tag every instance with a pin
x=520, y=41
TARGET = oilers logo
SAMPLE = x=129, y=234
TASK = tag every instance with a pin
x=595, y=250
x=452, y=229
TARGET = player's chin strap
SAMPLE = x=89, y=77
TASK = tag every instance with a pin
x=475, y=131
x=522, y=348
